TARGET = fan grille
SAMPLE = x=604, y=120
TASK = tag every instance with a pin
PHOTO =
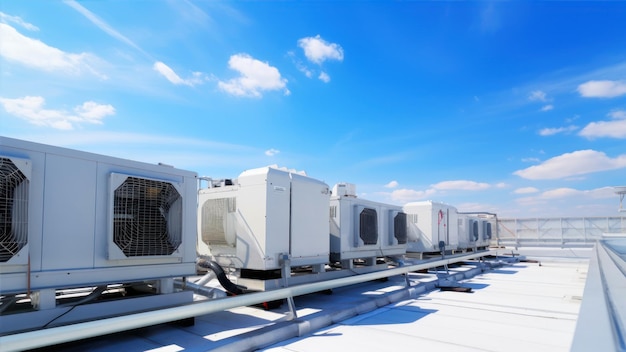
x=399, y=228
x=13, y=210
x=368, y=226
x=214, y=212
x=147, y=217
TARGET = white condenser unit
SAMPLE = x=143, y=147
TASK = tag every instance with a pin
x=361, y=228
x=267, y=213
x=431, y=225
x=468, y=231
x=474, y=231
x=72, y=219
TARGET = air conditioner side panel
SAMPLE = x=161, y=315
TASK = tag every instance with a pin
x=69, y=216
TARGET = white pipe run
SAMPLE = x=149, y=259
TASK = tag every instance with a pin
x=73, y=332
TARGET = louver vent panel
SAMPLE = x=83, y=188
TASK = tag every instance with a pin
x=13, y=209
x=400, y=228
x=147, y=216
x=368, y=226
x=214, y=218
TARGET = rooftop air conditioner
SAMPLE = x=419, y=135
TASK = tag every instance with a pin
x=361, y=228
x=86, y=219
x=261, y=216
x=431, y=223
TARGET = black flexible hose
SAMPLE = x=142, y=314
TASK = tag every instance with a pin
x=221, y=276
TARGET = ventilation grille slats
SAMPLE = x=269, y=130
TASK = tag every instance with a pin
x=147, y=217
x=13, y=210
x=214, y=213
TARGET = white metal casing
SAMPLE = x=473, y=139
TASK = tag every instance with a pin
x=70, y=220
x=429, y=223
x=276, y=212
x=345, y=240
x=473, y=231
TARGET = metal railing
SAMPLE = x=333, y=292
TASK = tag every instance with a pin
x=556, y=232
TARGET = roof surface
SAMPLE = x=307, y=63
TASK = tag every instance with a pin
x=518, y=307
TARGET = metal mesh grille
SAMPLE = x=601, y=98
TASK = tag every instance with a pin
x=147, y=217
x=399, y=228
x=214, y=212
x=13, y=210
x=368, y=226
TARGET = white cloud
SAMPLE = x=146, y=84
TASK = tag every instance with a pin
x=547, y=107
x=556, y=130
x=538, y=95
x=613, y=129
x=530, y=160
x=255, y=77
x=170, y=75
x=460, y=185
x=34, y=53
x=272, y=152
x=32, y=110
x=571, y=164
x=392, y=184
x=565, y=192
x=324, y=77
x=602, y=89
x=318, y=50
x=17, y=20
x=526, y=190
x=408, y=195
x=618, y=114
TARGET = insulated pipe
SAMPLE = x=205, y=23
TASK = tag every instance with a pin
x=221, y=276
x=67, y=333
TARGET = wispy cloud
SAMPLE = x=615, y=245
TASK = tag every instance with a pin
x=103, y=25
x=557, y=130
x=18, y=21
x=272, y=152
x=409, y=195
x=324, y=77
x=462, y=185
x=602, y=89
x=392, y=184
x=547, y=107
x=165, y=71
x=34, y=53
x=615, y=128
x=580, y=162
x=32, y=110
x=538, y=95
x=255, y=77
x=526, y=190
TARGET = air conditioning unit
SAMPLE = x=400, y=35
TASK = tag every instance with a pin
x=361, y=228
x=431, y=224
x=86, y=219
x=484, y=233
x=263, y=215
x=469, y=232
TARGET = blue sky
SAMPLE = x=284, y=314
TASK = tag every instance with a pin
x=515, y=108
